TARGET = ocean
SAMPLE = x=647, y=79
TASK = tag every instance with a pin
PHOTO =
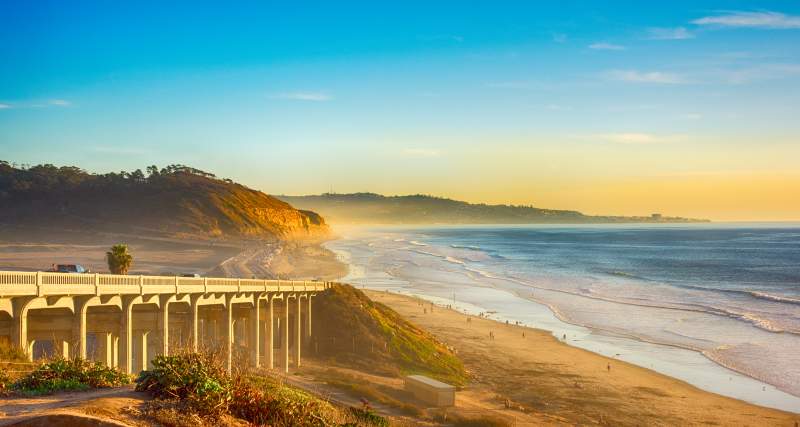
x=717, y=305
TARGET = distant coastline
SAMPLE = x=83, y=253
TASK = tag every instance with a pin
x=371, y=208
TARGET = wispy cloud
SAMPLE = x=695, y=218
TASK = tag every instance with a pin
x=559, y=37
x=635, y=138
x=36, y=104
x=766, y=19
x=692, y=116
x=421, y=152
x=606, y=46
x=556, y=107
x=655, y=77
x=762, y=72
x=304, y=96
x=677, y=33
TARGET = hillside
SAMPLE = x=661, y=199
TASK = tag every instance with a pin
x=176, y=201
x=358, y=332
x=362, y=208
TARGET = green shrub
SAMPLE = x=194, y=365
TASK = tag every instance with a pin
x=199, y=379
x=367, y=417
x=262, y=401
x=69, y=374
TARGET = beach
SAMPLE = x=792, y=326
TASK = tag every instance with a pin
x=569, y=385
x=712, y=305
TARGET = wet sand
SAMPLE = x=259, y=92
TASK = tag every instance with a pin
x=542, y=374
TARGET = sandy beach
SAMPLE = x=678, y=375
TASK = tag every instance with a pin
x=542, y=374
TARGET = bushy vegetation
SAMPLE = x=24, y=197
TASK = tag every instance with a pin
x=68, y=374
x=199, y=386
x=195, y=378
x=5, y=383
x=368, y=335
x=12, y=354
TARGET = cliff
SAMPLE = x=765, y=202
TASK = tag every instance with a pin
x=369, y=208
x=176, y=201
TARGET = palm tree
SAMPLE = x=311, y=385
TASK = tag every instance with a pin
x=119, y=260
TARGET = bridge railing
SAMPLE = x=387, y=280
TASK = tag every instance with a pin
x=43, y=283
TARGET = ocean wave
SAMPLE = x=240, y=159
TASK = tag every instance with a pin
x=751, y=318
x=470, y=247
x=770, y=297
x=416, y=243
x=453, y=260
x=483, y=273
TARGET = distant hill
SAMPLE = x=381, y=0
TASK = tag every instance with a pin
x=176, y=201
x=363, y=208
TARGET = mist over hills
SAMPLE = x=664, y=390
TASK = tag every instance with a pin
x=176, y=201
x=371, y=208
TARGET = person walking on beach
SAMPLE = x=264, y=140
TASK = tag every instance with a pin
x=608, y=366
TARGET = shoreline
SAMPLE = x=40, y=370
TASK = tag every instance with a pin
x=686, y=364
x=558, y=364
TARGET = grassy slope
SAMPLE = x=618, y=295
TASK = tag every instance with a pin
x=385, y=343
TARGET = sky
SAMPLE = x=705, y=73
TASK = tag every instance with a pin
x=687, y=108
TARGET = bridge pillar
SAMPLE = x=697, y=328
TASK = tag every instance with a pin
x=255, y=339
x=270, y=333
x=108, y=349
x=163, y=324
x=285, y=330
x=61, y=348
x=145, y=359
x=20, y=324
x=298, y=331
x=194, y=320
x=308, y=321
x=229, y=332
x=126, y=335
x=115, y=352
x=80, y=328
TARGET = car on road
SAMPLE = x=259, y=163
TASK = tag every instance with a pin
x=69, y=268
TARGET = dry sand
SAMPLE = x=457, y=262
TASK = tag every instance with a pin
x=541, y=374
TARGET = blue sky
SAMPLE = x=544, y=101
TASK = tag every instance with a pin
x=562, y=104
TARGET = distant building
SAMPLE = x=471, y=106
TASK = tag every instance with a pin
x=656, y=216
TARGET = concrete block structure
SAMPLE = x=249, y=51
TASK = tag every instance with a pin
x=125, y=321
x=431, y=391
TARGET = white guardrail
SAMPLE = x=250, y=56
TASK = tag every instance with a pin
x=41, y=283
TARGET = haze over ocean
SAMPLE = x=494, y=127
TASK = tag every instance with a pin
x=730, y=291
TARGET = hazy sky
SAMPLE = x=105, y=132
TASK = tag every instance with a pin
x=687, y=108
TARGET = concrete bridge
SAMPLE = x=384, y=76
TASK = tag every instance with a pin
x=125, y=321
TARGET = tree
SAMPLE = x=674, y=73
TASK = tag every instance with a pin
x=152, y=171
x=119, y=260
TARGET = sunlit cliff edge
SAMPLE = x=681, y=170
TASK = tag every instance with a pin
x=176, y=201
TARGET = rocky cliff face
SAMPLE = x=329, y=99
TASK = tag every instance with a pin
x=178, y=204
